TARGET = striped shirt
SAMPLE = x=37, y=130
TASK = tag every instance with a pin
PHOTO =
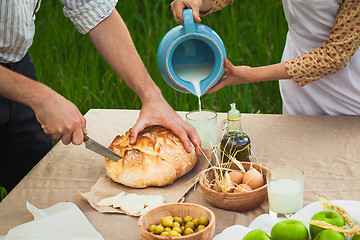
x=17, y=26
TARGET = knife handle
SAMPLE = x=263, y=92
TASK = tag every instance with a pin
x=86, y=138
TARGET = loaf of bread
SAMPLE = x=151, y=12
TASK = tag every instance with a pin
x=157, y=159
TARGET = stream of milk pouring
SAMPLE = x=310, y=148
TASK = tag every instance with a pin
x=194, y=74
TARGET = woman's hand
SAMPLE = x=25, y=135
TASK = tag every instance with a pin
x=177, y=7
x=245, y=74
x=233, y=75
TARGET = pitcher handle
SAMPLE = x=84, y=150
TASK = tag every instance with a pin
x=189, y=23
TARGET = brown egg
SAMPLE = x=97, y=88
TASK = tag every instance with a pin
x=242, y=188
x=236, y=177
x=253, y=178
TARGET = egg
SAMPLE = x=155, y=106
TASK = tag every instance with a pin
x=242, y=188
x=253, y=178
x=236, y=177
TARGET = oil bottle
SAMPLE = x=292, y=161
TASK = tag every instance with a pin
x=235, y=143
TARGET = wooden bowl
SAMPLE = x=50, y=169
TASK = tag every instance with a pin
x=154, y=216
x=240, y=202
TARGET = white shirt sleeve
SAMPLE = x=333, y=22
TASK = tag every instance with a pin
x=87, y=14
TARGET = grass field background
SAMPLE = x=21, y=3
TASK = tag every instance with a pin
x=253, y=33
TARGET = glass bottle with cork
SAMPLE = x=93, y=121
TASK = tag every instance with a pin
x=235, y=143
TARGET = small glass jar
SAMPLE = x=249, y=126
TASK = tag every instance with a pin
x=235, y=144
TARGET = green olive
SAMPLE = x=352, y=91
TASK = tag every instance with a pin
x=159, y=229
x=196, y=222
x=173, y=234
x=203, y=221
x=177, y=229
x=200, y=227
x=164, y=234
x=176, y=224
x=188, y=219
x=188, y=231
x=167, y=222
x=152, y=228
x=179, y=220
x=190, y=225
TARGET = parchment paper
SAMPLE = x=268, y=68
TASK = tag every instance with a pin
x=105, y=187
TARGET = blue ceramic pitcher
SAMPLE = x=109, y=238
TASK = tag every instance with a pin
x=193, y=52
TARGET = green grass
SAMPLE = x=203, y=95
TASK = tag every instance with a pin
x=3, y=193
x=252, y=31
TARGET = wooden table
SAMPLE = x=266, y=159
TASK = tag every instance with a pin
x=327, y=148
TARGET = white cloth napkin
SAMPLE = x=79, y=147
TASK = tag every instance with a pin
x=63, y=221
x=265, y=222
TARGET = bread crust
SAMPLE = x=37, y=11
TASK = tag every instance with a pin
x=157, y=159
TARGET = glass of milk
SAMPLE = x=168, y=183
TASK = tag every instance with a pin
x=285, y=187
x=205, y=123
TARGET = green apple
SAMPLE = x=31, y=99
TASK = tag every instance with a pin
x=330, y=217
x=289, y=230
x=256, y=235
x=356, y=237
x=329, y=235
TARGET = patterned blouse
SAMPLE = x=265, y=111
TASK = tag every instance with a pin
x=333, y=55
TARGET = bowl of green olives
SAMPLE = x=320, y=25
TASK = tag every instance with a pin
x=177, y=221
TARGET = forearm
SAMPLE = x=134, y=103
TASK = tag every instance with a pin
x=268, y=73
x=206, y=5
x=209, y=6
x=335, y=53
x=113, y=41
x=21, y=89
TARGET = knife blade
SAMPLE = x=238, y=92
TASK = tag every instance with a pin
x=100, y=149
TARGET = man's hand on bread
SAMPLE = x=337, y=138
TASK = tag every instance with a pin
x=159, y=112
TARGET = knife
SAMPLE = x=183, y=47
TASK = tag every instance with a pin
x=100, y=149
